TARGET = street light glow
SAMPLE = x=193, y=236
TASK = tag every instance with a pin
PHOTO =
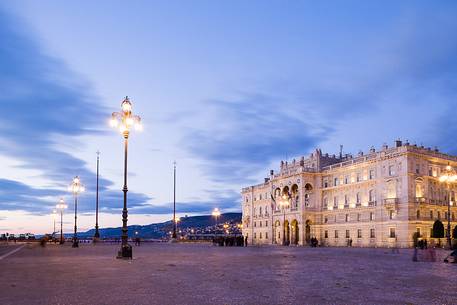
x=76, y=186
x=125, y=120
x=216, y=212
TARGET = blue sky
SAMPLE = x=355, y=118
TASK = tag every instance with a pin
x=227, y=89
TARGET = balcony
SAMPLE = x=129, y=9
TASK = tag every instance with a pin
x=391, y=203
x=358, y=205
x=372, y=203
x=420, y=201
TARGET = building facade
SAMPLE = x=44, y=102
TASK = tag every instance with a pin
x=378, y=199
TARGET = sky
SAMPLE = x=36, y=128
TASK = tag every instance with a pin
x=227, y=89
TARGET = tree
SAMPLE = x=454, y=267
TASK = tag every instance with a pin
x=438, y=229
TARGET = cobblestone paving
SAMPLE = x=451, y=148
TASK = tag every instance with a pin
x=201, y=274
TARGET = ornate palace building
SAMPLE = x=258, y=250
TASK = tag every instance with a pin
x=378, y=199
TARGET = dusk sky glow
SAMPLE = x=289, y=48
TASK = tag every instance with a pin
x=227, y=89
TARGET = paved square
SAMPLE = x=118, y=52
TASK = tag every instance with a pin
x=203, y=274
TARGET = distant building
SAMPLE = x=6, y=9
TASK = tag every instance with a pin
x=376, y=199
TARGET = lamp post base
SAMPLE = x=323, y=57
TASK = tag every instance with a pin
x=96, y=237
x=75, y=244
x=125, y=252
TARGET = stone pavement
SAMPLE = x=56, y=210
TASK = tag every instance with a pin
x=202, y=274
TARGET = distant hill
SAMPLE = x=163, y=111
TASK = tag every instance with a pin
x=160, y=230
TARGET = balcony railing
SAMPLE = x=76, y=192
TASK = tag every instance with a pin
x=372, y=203
x=420, y=200
x=391, y=203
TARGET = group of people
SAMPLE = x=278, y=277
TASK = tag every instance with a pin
x=230, y=241
x=313, y=242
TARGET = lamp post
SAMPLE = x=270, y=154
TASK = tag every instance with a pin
x=54, y=216
x=97, y=232
x=61, y=206
x=216, y=213
x=448, y=177
x=125, y=120
x=174, y=201
x=284, y=203
x=76, y=187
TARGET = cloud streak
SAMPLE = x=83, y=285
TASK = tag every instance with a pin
x=44, y=101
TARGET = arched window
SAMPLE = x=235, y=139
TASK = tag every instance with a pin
x=285, y=191
x=277, y=192
x=419, y=188
x=295, y=196
x=308, y=187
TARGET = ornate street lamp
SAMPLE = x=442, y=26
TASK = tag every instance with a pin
x=76, y=187
x=284, y=203
x=124, y=121
x=61, y=206
x=448, y=176
x=216, y=213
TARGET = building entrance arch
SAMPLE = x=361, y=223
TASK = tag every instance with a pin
x=286, y=237
x=294, y=232
x=308, y=231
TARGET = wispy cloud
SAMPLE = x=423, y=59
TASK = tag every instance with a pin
x=411, y=65
x=42, y=100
